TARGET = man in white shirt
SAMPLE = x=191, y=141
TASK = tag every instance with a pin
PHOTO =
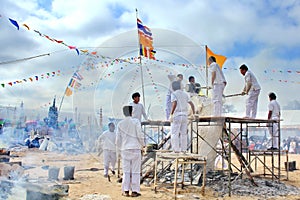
x=138, y=108
x=171, y=78
x=252, y=88
x=179, y=117
x=192, y=87
x=218, y=83
x=274, y=114
x=107, y=141
x=130, y=140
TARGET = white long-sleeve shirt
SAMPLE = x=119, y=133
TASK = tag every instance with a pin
x=138, y=110
x=129, y=134
x=251, y=80
x=108, y=140
x=220, y=78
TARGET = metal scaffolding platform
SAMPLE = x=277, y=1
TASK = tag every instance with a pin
x=234, y=137
x=180, y=160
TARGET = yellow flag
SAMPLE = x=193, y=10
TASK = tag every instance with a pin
x=220, y=59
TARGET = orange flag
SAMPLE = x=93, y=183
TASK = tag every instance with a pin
x=68, y=92
x=220, y=59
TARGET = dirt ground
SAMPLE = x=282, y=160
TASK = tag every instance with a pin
x=89, y=177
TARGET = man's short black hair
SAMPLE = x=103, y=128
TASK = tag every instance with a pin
x=244, y=67
x=212, y=59
x=110, y=123
x=190, y=78
x=127, y=111
x=176, y=85
x=272, y=96
x=136, y=94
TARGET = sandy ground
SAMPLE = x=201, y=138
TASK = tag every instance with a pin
x=89, y=181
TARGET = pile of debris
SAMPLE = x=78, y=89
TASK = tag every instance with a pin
x=218, y=181
x=14, y=181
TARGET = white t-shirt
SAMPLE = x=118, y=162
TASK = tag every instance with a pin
x=138, y=110
x=129, y=134
x=250, y=78
x=275, y=108
x=220, y=78
x=182, y=99
x=108, y=140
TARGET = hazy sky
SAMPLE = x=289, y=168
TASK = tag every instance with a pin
x=262, y=34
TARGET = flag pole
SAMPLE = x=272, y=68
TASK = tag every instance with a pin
x=62, y=99
x=206, y=70
x=140, y=63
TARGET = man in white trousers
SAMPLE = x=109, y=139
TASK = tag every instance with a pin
x=130, y=140
x=252, y=88
x=273, y=114
x=107, y=140
x=179, y=117
x=218, y=83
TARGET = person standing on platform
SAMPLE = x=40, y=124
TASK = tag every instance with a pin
x=274, y=114
x=218, y=83
x=138, y=108
x=171, y=78
x=179, y=117
x=130, y=140
x=107, y=140
x=252, y=88
x=192, y=87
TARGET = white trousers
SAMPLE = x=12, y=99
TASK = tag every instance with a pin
x=217, y=95
x=179, y=133
x=131, y=164
x=273, y=131
x=251, y=103
x=168, y=105
x=109, y=157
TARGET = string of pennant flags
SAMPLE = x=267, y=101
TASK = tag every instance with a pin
x=19, y=25
x=76, y=84
x=134, y=60
x=287, y=71
x=27, y=27
x=33, y=78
